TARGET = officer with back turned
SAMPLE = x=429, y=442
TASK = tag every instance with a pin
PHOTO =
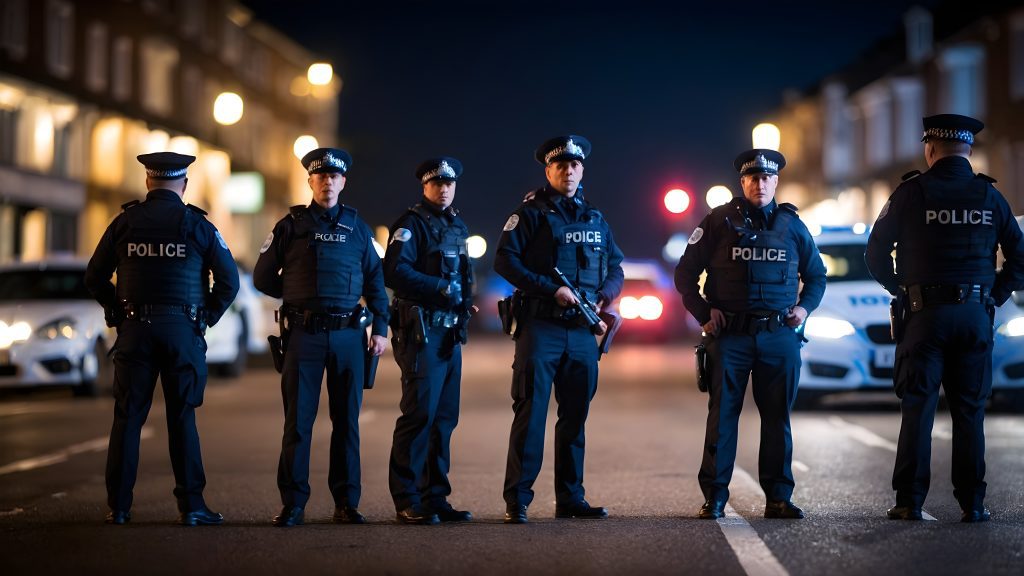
x=320, y=260
x=756, y=252
x=946, y=226
x=428, y=269
x=163, y=252
x=555, y=227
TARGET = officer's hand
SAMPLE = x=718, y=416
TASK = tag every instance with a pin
x=378, y=344
x=603, y=328
x=716, y=323
x=565, y=298
x=795, y=316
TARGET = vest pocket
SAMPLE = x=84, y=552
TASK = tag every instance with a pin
x=768, y=272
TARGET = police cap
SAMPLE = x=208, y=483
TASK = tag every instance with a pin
x=326, y=160
x=444, y=168
x=166, y=165
x=951, y=127
x=563, y=148
x=759, y=160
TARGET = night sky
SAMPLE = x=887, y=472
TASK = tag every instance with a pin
x=667, y=94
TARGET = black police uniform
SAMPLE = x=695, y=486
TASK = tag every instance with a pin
x=320, y=262
x=546, y=231
x=755, y=259
x=163, y=252
x=946, y=225
x=429, y=271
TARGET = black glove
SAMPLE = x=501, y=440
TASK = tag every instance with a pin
x=113, y=316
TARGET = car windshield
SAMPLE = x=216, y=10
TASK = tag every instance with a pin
x=844, y=262
x=43, y=285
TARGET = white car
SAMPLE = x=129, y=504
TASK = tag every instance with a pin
x=239, y=333
x=51, y=329
x=849, y=343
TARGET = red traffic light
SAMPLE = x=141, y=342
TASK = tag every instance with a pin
x=677, y=200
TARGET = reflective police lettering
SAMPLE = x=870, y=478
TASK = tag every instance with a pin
x=589, y=236
x=158, y=249
x=964, y=216
x=869, y=300
x=325, y=237
x=758, y=254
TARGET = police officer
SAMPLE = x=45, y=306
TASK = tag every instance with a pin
x=320, y=260
x=555, y=227
x=163, y=251
x=428, y=269
x=755, y=252
x=946, y=225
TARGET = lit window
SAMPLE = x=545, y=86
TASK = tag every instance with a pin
x=157, y=75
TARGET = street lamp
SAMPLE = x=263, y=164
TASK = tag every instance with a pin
x=320, y=74
x=677, y=200
x=718, y=195
x=303, y=144
x=227, y=108
x=476, y=246
x=766, y=136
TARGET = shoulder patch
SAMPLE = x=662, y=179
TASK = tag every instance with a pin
x=297, y=211
x=266, y=243
x=910, y=175
x=128, y=205
x=220, y=239
x=885, y=209
x=196, y=209
x=987, y=178
x=401, y=235
x=698, y=233
x=512, y=222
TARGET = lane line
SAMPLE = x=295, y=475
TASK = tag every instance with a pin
x=94, y=445
x=928, y=516
x=800, y=466
x=753, y=554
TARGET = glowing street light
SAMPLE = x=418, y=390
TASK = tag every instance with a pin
x=320, y=74
x=677, y=200
x=303, y=144
x=476, y=246
x=227, y=108
x=766, y=136
x=718, y=195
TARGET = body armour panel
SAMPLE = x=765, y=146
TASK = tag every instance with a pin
x=159, y=260
x=324, y=259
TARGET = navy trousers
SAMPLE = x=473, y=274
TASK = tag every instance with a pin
x=771, y=360
x=172, y=348
x=341, y=354
x=948, y=345
x=550, y=352
x=421, y=450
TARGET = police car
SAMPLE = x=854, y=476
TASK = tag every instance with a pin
x=849, y=344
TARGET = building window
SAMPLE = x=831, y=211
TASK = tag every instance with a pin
x=193, y=18
x=231, y=48
x=121, y=68
x=97, y=62
x=1017, y=56
x=60, y=40
x=159, y=60
x=8, y=135
x=918, y=25
x=192, y=91
x=962, y=82
x=908, y=96
x=14, y=28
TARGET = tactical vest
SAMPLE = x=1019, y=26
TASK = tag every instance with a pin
x=950, y=239
x=760, y=267
x=323, y=260
x=159, y=260
x=581, y=247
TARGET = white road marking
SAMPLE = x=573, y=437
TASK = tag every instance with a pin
x=928, y=516
x=11, y=512
x=753, y=554
x=26, y=408
x=367, y=416
x=800, y=466
x=862, y=434
x=94, y=445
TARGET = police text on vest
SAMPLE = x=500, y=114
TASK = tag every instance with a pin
x=326, y=237
x=588, y=236
x=158, y=249
x=964, y=216
x=758, y=254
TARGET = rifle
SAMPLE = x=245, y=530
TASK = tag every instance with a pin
x=585, y=307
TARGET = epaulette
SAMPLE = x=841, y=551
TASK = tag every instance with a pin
x=529, y=196
x=128, y=205
x=910, y=175
x=196, y=209
x=987, y=178
x=350, y=209
x=790, y=207
x=297, y=211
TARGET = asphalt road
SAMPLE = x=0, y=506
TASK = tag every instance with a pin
x=643, y=450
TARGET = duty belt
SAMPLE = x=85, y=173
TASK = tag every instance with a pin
x=144, y=312
x=753, y=322
x=546, y=307
x=314, y=322
x=935, y=294
x=432, y=317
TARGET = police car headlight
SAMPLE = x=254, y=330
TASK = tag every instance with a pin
x=17, y=332
x=1013, y=328
x=629, y=307
x=830, y=328
x=62, y=328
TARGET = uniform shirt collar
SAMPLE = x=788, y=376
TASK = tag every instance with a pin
x=435, y=209
x=952, y=166
x=319, y=211
x=163, y=194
